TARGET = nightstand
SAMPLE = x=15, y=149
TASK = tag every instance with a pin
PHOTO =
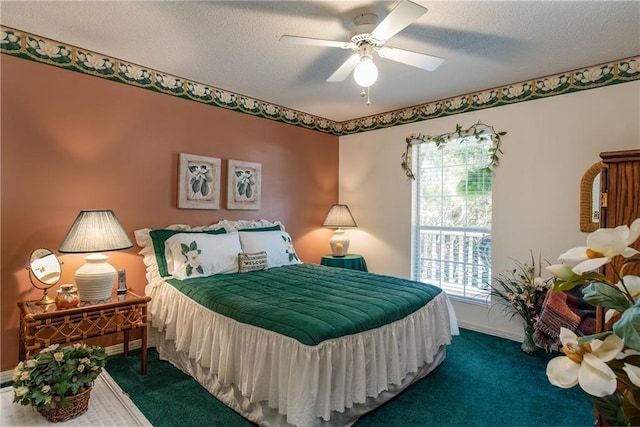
x=41, y=326
x=350, y=261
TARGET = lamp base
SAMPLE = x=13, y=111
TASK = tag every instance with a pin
x=339, y=243
x=96, y=278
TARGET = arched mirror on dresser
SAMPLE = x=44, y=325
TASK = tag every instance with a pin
x=590, y=197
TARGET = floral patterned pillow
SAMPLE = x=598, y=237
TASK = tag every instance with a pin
x=199, y=255
x=277, y=245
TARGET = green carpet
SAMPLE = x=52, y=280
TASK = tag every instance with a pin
x=484, y=381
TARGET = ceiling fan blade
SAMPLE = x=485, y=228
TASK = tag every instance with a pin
x=415, y=59
x=345, y=69
x=316, y=42
x=402, y=15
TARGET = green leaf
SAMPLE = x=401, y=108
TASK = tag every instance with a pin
x=610, y=408
x=193, y=246
x=204, y=188
x=199, y=269
x=189, y=270
x=588, y=338
x=601, y=294
x=628, y=327
x=565, y=285
x=195, y=186
x=631, y=407
x=184, y=248
x=249, y=191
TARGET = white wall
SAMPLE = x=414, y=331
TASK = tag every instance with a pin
x=549, y=144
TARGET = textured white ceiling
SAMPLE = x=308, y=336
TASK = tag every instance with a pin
x=234, y=45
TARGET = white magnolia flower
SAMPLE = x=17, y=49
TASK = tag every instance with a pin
x=48, y=49
x=8, y=38
x=193, y=258
x=632, y=284
x=626, y=353
x=134, y=72
x=58, y=356
x=602, y=246
x=95, y=62
x=631, y=67
x=561, y=271
x=46, y=388
x=633, y=372
x=585, y=365
x=483, y=97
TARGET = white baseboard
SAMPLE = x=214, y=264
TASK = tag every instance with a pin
x=111, y=350
x=119, y=348
x=513, y=336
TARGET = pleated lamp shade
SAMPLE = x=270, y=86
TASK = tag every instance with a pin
x=95, y=231
x=339, y=217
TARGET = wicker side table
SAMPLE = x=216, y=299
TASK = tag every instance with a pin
x=42, y=326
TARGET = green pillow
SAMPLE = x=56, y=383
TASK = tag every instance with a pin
x=158, y=237
x=272, y=228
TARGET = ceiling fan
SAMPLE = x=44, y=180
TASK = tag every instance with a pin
x=367, y=37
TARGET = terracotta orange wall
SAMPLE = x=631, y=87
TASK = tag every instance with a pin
x=72, y=142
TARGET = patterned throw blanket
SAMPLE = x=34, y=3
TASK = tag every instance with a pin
x=566, y=310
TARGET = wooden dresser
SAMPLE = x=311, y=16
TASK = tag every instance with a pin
x=620, y=188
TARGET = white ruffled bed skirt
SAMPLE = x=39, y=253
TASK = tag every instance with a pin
x=248, y=367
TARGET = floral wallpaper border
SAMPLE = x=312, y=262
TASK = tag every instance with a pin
x=32, y=47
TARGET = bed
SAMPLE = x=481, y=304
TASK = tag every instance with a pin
x=284, y=342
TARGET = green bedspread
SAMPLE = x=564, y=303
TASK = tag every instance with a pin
x=308, y=302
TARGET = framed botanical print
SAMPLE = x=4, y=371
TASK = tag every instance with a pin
x=244, y=184
x=198, y=182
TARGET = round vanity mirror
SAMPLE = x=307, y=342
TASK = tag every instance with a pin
x=45, y=267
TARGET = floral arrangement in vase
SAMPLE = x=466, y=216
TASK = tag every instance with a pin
x=521, y=292
x=50, y=377
x=605, y=365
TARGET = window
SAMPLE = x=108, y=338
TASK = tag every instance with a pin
x=452, y=217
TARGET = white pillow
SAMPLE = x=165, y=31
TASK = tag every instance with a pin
x=199, y=255
x=277, y=245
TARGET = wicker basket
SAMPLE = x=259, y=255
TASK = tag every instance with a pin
x=79, y=404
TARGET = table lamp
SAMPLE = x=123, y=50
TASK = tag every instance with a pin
x=95, y=231
x=339, y=217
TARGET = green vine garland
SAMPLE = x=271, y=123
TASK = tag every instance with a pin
x=479, y=130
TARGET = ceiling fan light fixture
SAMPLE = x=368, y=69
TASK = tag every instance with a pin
x=366, y=72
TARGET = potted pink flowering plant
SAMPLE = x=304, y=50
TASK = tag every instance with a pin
x=521, y=292
x=605, y=365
